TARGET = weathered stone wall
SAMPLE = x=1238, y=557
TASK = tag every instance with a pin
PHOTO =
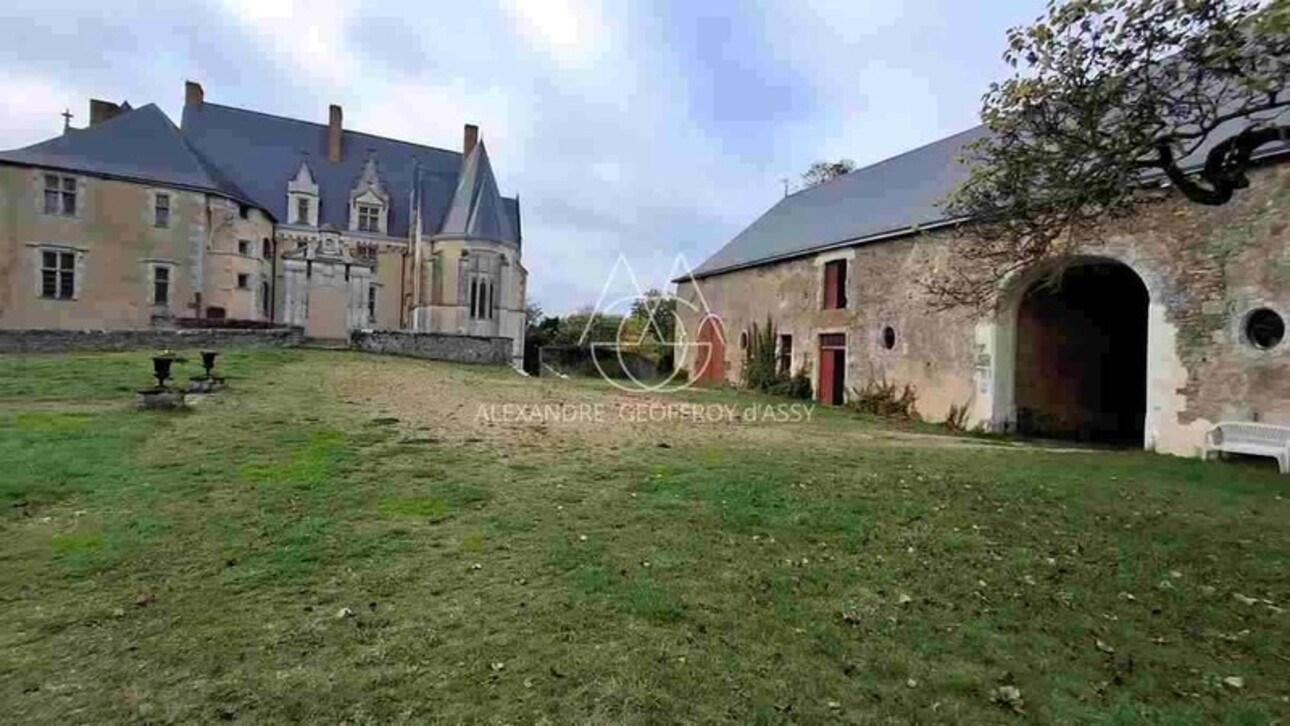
x=116, y=245
x=1205, y=269
x=236, y=249
x=433, y=346
x=934, y=353
x=70, y=341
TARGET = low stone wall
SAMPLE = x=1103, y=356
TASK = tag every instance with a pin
x=577, y=361
x=70, y=341
x=433, y=346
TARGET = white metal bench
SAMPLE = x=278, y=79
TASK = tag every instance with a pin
x=1253, y=439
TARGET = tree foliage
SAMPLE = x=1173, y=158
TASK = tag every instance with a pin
x=1109, y=95
x=823, y=171
x=656, y=314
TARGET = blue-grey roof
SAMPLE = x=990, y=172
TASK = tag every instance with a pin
x=892, y=195
x=140, y=145
x=261, y=153
x=890, y=198
x=477, y=211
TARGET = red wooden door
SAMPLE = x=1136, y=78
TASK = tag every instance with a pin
x=832, y=380
x=710, y=356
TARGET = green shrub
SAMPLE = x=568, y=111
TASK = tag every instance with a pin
x=885, y=399
x=760, y=373
x=956, y=419
x=796, y=386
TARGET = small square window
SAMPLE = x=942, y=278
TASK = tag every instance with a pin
x=243, y=281
x=244, y=247
x=161, y=211
x=243, y=211
x=60, y=195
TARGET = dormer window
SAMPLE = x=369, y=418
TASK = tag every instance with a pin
x=302, y=198
x=369, y=203
x=369, y=218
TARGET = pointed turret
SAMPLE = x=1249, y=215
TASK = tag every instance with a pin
x=477, y=210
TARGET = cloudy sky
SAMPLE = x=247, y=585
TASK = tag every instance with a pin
x=646, y=129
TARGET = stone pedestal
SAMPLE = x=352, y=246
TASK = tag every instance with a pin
x=161, y=399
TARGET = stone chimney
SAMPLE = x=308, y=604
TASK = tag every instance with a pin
x=333, y=134
x=193, y=94
x=470, y=137
x=101, y=111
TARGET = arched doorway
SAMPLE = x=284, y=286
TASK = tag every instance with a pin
x=710, y=355
x=1081, y=355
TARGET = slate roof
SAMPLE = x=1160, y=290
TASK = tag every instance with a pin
x=888, y=199
x=261, y=153
x=477, y=210
x=140, y=145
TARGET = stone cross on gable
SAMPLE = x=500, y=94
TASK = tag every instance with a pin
x=67, y=118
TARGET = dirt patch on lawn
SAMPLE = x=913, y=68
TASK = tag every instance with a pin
x=464, y=404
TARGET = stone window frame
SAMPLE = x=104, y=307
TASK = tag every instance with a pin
x=245, y=248
x=888, y=338
x=1244, y=329
x=784, y=353
x=369, y=217
x=243, y=281
x=68, y=187
x=482, y=296
x=839, y=299
x=153, y=266
x=847, y=257
x=162, y=211
x=371, y=303
x=77, y=271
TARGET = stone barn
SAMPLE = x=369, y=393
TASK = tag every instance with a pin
x=1174, y=321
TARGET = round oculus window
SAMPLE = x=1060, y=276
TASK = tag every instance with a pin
x=889, y=337
x=1265, y=329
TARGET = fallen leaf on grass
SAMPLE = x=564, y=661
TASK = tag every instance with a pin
x=1009, y=697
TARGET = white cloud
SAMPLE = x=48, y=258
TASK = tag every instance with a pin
x=574, y=34
x=594, y=113
x=30, y=105
x=301, y=35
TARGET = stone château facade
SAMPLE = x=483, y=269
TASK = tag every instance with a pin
x=133, y=222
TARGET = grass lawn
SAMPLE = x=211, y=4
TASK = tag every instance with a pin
x=340, y=538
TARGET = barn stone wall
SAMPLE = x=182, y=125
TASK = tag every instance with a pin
x=1205, y=268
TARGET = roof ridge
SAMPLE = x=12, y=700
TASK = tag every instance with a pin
x=888, y=159
x=280, y=117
